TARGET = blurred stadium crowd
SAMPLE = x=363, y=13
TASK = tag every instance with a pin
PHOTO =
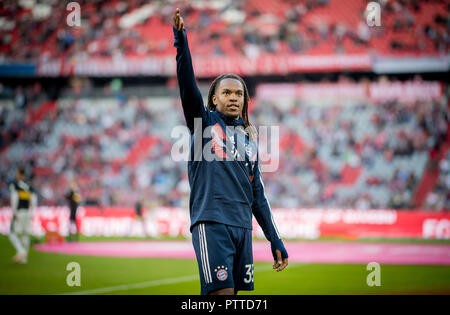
x=118, y=148
x=138, y=28
x=366, y=155
x=117, y=144
x=438, y=198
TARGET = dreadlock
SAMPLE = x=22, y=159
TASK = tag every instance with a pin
x=212, y=90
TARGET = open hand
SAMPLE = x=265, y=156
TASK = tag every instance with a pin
x=178, y=22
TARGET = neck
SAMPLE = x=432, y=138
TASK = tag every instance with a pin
x=232, y=117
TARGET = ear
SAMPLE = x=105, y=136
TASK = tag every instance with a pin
x=214, y=99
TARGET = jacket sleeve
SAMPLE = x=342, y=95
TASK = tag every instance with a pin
x=263, y=214
x=68, y=195
x=191, y=98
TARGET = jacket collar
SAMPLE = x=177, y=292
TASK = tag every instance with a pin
x=230, y=121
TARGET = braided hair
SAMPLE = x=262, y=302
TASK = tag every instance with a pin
x=212, y=90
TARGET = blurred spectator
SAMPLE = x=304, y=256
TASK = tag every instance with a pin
x=439, y=197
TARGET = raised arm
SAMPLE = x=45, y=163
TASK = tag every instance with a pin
x=263, y=214
x=191, y=98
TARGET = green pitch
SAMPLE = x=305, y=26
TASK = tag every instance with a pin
x=47, y=274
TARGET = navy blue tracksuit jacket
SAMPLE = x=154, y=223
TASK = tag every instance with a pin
x=222, y=191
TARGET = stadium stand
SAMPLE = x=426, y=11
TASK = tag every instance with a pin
x=138, y=28
x=369, y=155
x=362, y=155
x=439, y=197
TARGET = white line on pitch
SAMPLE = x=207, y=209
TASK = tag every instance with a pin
x=140, y=285
x=155, y=283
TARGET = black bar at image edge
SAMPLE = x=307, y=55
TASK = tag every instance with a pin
x=292, y=304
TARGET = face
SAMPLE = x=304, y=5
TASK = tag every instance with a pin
x=19, y=175
x=229, y=97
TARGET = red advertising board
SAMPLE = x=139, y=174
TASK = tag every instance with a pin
x=354, y=223
x=208, y=66
x=291, y=223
